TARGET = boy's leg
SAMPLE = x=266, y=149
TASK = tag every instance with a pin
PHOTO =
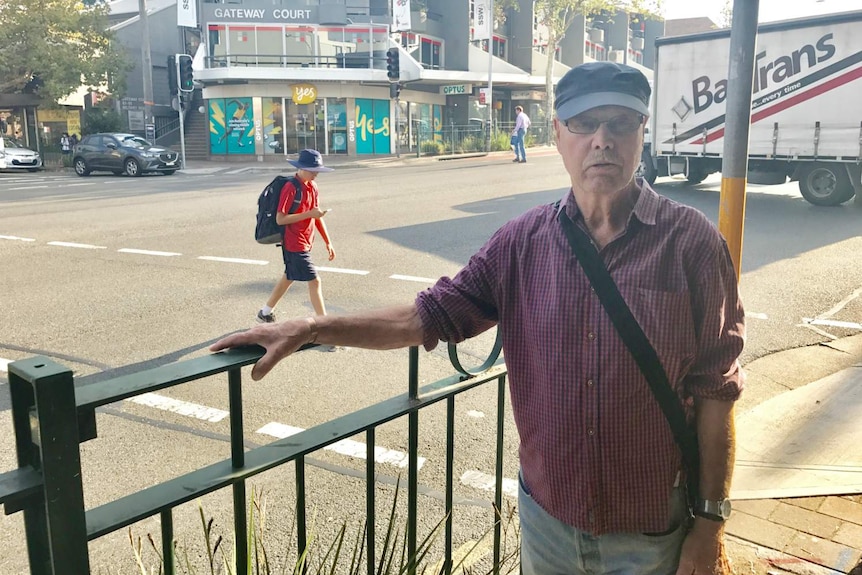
x=278, y=291
x=315, y=295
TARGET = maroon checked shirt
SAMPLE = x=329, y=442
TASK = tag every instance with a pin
x=596, y=451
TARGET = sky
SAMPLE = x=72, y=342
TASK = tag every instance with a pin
x=770, y=10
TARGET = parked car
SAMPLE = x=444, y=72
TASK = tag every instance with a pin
x=14, y=155
x=122, y=154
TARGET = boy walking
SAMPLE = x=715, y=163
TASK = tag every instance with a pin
x=299, y=235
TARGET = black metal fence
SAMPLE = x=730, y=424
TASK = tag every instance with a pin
x=51, y=418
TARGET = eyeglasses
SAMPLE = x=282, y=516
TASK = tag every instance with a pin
x=622, y=125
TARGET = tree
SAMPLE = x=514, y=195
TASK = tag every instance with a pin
x=557, y=16
x=52, y=48
x=725, y=18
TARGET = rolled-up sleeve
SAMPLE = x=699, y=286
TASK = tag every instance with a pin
x=458, y=308
x=720, y=324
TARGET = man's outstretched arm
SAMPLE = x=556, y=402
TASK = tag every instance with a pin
x=385, y=328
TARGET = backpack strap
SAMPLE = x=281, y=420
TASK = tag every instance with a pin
x=297, y=197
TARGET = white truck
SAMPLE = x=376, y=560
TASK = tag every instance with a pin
x=806, y=111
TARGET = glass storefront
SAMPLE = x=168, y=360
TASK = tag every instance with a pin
x=275, y=126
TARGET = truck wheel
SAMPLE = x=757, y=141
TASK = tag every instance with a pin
x=646, y=169
x=825, y=184
x=695, y=174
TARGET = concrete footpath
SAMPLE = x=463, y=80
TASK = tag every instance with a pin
x=810, y=451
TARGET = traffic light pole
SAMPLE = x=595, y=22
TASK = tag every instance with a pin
x=180, y=112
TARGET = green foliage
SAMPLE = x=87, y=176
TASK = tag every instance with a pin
x=52, y=48
x=432, y=148
x=101, y=120
x=501, y=141
x=336, y=558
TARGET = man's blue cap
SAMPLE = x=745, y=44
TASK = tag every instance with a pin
x=597, y=84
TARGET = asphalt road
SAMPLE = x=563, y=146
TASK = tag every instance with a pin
x=106, y=272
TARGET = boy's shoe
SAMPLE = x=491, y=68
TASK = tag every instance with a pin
x=268, y=318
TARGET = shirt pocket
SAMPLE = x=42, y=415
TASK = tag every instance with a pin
x=666, y=319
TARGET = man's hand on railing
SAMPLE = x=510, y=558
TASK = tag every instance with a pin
x=279, y=339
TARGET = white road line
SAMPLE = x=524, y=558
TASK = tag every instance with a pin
x=412, y=279
x=72, y=185
x=234, y=260
x=16, y=238
x=818, y=331
x=147, y=252
x=486, y=482
x=4, y=364
x=840, y=305
x=74, y=245
x=28, y=188
x=239, y=171
x=345, y=446
x=474, y=413
x=755, y=315
x=341, y=271
x=180, y=407
x=832, y=323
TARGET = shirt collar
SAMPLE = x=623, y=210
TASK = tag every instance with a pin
x=644, y=210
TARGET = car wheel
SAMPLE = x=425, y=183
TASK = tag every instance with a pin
x=169, y=172
x=133, y=168
x=81, y=167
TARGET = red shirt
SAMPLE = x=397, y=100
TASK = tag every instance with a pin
x=596, y=451
x=298, y=237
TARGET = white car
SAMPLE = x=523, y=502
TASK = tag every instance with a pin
x=16, y=156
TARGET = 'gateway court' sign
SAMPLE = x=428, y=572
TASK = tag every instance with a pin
x=259, y=13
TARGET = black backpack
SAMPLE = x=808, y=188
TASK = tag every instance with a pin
x=267, y=230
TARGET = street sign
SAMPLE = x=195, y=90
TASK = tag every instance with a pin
x=150, y=131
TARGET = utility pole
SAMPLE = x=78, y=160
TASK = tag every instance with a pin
x=146, y=62
x=734, y=168
x=490, y=99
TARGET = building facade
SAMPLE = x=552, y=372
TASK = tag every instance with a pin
x=279, y=76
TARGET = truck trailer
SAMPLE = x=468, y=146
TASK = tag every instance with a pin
x=806, y=110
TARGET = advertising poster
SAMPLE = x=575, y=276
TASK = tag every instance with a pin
x=372, y=126
x=231, y=126
x=273, y=131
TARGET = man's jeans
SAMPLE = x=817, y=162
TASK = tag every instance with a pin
x=550, y=547
x=520, y=153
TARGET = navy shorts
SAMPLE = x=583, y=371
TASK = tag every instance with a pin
x=298, y=266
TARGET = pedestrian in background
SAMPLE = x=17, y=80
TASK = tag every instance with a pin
x=522, y=124
x=602, y=483
x=65, y=144
x=299, y=235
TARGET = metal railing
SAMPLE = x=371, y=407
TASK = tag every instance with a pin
x=51, y=418
x=360, y=60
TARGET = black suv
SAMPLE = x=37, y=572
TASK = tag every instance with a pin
x=122, y=153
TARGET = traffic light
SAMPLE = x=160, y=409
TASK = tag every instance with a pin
x=172, y=74
x=186, y=75
x=394, y=90
x=393, y=67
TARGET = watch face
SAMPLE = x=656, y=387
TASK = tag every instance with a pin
x=725, y=508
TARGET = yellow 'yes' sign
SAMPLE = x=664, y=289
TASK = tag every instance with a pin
x=304, y=94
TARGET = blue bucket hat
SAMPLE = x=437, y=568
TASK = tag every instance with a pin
x=309, y=160
x=597, y=84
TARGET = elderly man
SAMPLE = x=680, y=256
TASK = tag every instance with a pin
x=602, y=484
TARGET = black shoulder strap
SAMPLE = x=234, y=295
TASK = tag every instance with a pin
x=638, y=344
x=297, y=197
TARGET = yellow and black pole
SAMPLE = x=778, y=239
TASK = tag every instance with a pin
x=734, y=169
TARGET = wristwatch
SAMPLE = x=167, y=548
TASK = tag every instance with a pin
x=715, y=510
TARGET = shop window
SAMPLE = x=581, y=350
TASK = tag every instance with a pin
x=273, y=126
x=336, y=120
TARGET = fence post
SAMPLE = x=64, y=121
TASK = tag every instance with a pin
x=45, y=420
